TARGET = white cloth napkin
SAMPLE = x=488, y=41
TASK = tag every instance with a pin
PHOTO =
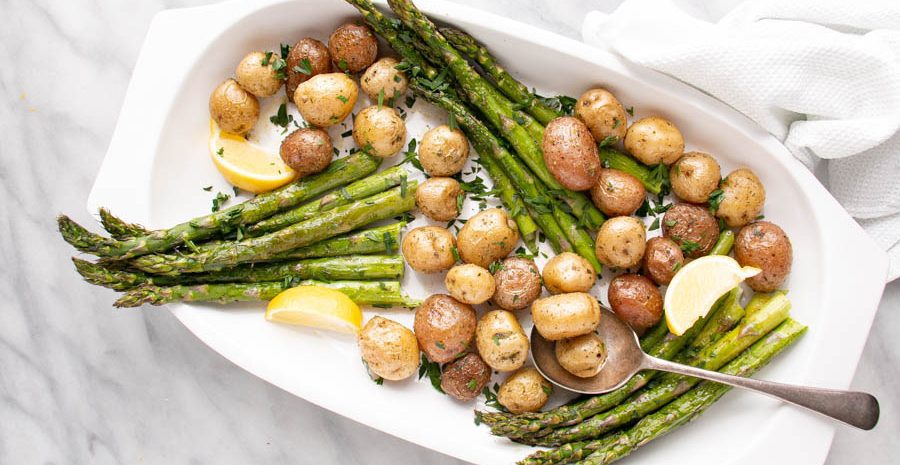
x=823, y=76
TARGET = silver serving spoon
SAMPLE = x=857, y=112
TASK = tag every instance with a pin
x=625, y=358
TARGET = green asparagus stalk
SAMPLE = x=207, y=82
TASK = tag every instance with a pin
x=725, y=315
x=374, y=293
x=581, y=241
x=263, y=248
x=382, y=239
x=652, y=181
x=340, y=172
x=119, y=229
x=724, y=243
x=528, y=228
x=760, y=299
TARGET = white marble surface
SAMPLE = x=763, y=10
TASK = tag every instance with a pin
x=82, y=383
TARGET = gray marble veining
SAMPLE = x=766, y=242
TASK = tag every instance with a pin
x=81, y=383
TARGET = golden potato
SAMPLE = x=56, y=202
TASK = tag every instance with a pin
x=565, y=315
x=389, y=349
x=621, y=242
x=654, y=140
x=384, y=79
x=569, y=272
x=353, y=47
x=694, y=176
x=501, y=341
x=743, y=197
x=379, y=131
x=617, y=193
x=439, y=198
x=583, y=356
x=470, y=284
x=307, y=151
x=232, y=108
x=255, y=73
x=524, y=391
x=428, y=249
x=443, y=151
x=326, y=99
x=487, y=237
x=602, y=113
x=571, y=153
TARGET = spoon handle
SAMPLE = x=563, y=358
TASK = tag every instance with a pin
x=857, y=409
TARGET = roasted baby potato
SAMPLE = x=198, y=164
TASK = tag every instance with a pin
x=743, y=196
x=518, y=283
x=692, y=227
x=255, y=73
x=307, y=58
x=307, y=151
x=389, y=349
x=443, y=151
x=470, y=284
x=438, y=198
x=621, y=242
x=464, y=378
x=524, y=391
x=501, y=341
x=617, y=193
x=565, y=315
x=487, y=237
x=602, y=113
x=379, y=131
x=662, y=259
x=353, y=47
x=444, y=327
x=571, y=153
x=568, y=272
x=636, y=300
x=385, y=80
x=326, y=99
x=694, y=176
x=583, y=356
x=232, y=108
x=764, y=245
x=429, y=249
x=654, y=140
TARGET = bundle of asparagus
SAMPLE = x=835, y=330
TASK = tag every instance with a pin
x=256, y=249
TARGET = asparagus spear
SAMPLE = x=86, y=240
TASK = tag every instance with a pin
x=724, y=243
x=581, y=241
x=653, y=180
x=264, y=248
x=262, y=206
x=760, y=299
x=375, y=293
x=524, y=219
x=676, y=413
x=119, y=229
x=382, y=239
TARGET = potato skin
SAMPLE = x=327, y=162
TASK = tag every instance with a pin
x=565, y=315
x=437, y=198
x=389, y=349
x=571, y=153
x=311, y=50
x=621, y=242
x=379, y=130
x=688, y=224
x=326, y=99
x=524, y=391
x=232, y=108
x=743, y=196
x=654, y=140
x=568, y=272
x=694, y=176
x=602, y=113
x=501, y=341
x=636, y=300
x=353, y=47
x=444, y=327
x=307, y=151
x=518, y=283
x=583, y=356
x=429, y=249
x=255, y=77
x=470, y=284
x=384, y=76
x=487, y=237
x=464, y=378
x=443, y=151
x=617, y=193
x=766, y=246
x=662, y=259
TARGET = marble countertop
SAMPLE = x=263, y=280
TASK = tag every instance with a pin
x=83, y=383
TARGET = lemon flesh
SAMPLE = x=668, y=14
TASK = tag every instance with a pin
x=315, y=307
x=246, y=165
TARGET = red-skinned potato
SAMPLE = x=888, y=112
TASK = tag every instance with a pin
x=571, y=153
x=617, y=193
x=444, y=327
x=307, y=151
x=636, y=300
x=307, y=58
x=353, y=47
x=464, y=378
x=662, y=259
x=518, y=283
x=692, y=227
x=766, y=246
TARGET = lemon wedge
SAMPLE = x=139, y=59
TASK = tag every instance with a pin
x=245, y=165
x=697, y=286
x=316, y=307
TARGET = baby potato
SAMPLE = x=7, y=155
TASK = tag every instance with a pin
x=438, y=198
x=443, y=151
x=621, y=242
x=379, y=130
x=654, y=140
x=636, y=300
x=602, y=113
x=487, y=237
x=501, y=341
x=444, y=327
x=307, y=151
x=465, y=378
x=524, y=391
x=389, y=349
x=569, y=272
x=662, y=259
x=565, y=315
x=353, y=47
x=428, y=249
x=692, y=228
x=383, y=78
x=326, y=99
x=617, y=193
x=571, y=153
x=743, y=196
x=764, y=245
x=232, y=108
x=255, y=73
x=583, y=356
x=694, y=176
x=307, y=58
x=470, y=284
x=518, y=283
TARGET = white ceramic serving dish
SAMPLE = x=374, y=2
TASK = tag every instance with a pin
x=157, y=163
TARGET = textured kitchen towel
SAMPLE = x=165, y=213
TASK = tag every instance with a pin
x=823, y=76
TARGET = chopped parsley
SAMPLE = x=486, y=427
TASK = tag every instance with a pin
x=472, y=385
x=433, y=371
x=689, y=247
x=304, y=67
x=207, y=188
x=490, y=398
x=389, y=243
x=608, y=141
x=715, y=199
x=342, y=64
x=630, y=111
x=455, y=252
x=219, y=200
x=561, y=103
x=282, y=118
x=343, y=98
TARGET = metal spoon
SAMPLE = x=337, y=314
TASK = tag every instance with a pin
x=625, y=358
